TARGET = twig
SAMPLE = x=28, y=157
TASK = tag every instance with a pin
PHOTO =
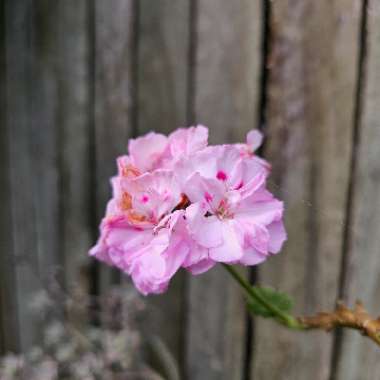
x=356, y=318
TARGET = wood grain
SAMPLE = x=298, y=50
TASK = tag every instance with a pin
x=33, y=176
x=9, y=337
x=358, y=358
x=226, y=69
x=43, y=129
x=163, y=44
x=113, y=98
x=311, y=98
x=162, y=65
x=74, y=85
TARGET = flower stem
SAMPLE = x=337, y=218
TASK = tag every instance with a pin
x=356, y=318
x=285, y=318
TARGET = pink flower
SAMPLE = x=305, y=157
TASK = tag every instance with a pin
x=232, y=215
x=141, y=234
x=179, y=203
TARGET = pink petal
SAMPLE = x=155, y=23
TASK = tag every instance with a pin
x=185, y=141
x=254, y=139
x=252, y=257
x=277, y=235
x=147, y=271
x=254, y=176
x=260, y=213
x=153, y=270
x=258, y=239
x=175, y=255
x=206, y=231
x=100, y=251
x=201, y=266
x=229, y=164
x=197, y=254
x=231, y=249
x=210, y=191
x=146, y=151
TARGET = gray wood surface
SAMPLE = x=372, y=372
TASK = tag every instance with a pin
x=311, y=99
x=359, y=358
x=75, y=125
x=9, y=337
x=163, y=43
x=24, y=142
x=113, y=63
x=43, y=132
x=226, y=75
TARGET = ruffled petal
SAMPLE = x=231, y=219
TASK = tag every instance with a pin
x=206, y=231
x=254, y=139
x=277, y=236
x=230, y=250
x=147, y=151
x=186, y=141
x=252, y=257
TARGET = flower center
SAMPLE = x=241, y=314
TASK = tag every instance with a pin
x=130, y=171
x=126, y=206
x=223, y=211
x=183, y=204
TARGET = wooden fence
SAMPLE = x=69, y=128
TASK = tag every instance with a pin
x=78, y=78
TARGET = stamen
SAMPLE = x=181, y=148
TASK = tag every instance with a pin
x=130, y=171
x=183, y=204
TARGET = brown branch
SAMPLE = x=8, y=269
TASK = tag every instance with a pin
x=356, y=318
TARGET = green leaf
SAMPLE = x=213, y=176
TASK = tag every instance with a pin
x=279, y=300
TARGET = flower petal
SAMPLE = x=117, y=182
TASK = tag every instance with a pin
x=206, y=231
x=231, y=249
x=277, y=237
x=252, y=257
x=254, y=139
x=146, y=151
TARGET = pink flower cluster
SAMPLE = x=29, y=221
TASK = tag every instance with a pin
x=178, y=202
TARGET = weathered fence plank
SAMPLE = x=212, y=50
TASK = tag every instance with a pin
x=162, y=65
x=359, y=358
x=44, y=153
x=9, y=337
x=226, y=87
x=30, y=154
x=163, y=43
x=113, y=58
x=73, y=76
x=311, y=97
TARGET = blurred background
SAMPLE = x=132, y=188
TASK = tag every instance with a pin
x=78, y=78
